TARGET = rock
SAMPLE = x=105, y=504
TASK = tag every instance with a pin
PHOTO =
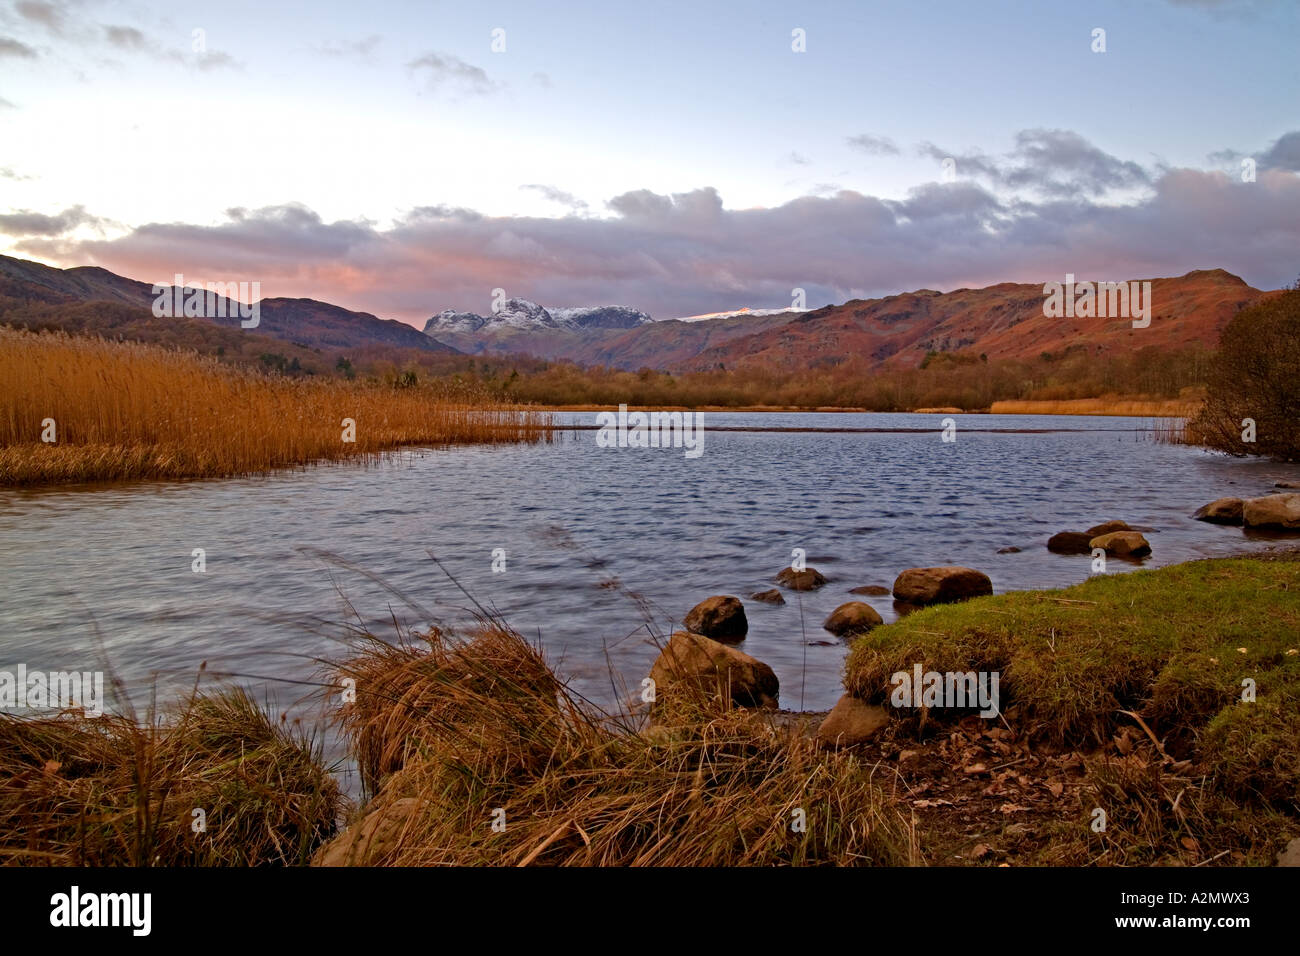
x=720, y=617
x=1107, y=527
x=1010, y=550
x=770, y=596
x=716, y=668
x=1069, y=542
x=855, y=617
x=873, y=590
x=1287, y=484
x=809, y=579
x=1220, y=511
x=368, y=841
x=850, y=722
x=1272, y=511
x=940, y=585
x=1291, y=855
x=1122, y=544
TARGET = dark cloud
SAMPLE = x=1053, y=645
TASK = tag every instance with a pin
x=1052, y=162
x=1062, y=162
x=17, y=50
x=24, y=222
x=1283, y=154
x=685, y=253
x=442, y=71
x=874, y=145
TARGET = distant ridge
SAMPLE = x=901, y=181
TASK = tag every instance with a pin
x=303, y=321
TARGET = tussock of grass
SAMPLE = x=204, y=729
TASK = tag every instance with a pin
x=109, y=792
x=1173, y=645
x=125, y=411
x=459, y=729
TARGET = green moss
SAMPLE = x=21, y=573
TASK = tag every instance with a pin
x=1173, y=645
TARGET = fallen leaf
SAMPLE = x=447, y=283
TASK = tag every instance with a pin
x=1191, y=844
x=1124, y=744
x=1241, y=650
x=924, y=804
x=975, y=768
x=52, y=766
x=979, y=851
x=1012, y=808
x=1056, y=787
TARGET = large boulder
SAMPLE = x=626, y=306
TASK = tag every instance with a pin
x=1272, y=511
x=809, y=579
x=1106, y=527
x=855, y=617
x=1122, y=544
x=720, y=671
x=940, y=585
x=1220, y=511
x=850, y=722
x=1070, y=542
x=770, y=596
x=720, y=617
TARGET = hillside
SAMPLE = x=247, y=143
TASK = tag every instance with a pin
x=305, y=322
x=1003, y=321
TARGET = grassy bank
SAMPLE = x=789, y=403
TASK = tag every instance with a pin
x=1122, y=695
x=1137, y=680
x=123, y=411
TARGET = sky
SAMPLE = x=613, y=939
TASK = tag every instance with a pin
x=403, y=158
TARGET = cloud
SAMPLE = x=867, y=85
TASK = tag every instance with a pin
x=47, y=15
x=687, y=253
x=6, y=105
x=444, y=71
x=24, y=222
x=360, y=49
x=874, y=145
x=7, y=172
x=1051, y=162
x=126, y=38
x=16, y=49
x=1283, y=154
x=566, y=199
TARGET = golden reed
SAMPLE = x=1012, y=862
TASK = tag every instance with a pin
x=122, y=410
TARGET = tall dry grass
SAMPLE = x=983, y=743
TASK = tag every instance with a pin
x=1136, y=407
x=114, y=791
x=456, y=733
x=123, y=410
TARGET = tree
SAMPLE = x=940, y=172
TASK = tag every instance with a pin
x=1252, y=406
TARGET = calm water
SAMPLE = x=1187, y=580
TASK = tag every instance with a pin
x=285, y=552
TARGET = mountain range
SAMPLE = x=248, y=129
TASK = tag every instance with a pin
x=1006, y=320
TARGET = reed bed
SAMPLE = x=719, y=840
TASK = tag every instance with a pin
x=123, y=410
x=459, y=734
x=111, y=791
x=1135, y=407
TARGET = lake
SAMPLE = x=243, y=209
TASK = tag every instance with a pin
x=291, y=556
